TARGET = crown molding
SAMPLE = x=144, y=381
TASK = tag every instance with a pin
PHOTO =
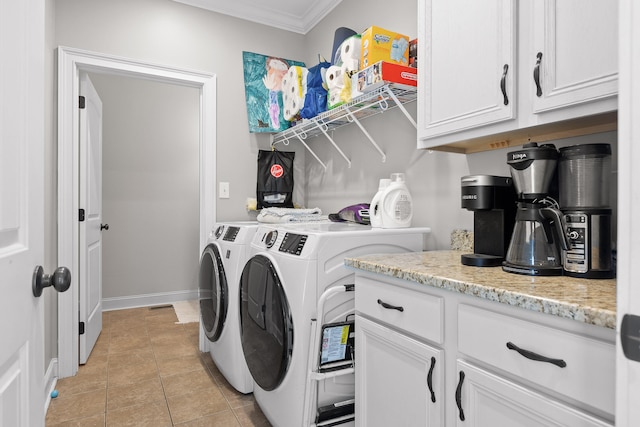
x=301, y=16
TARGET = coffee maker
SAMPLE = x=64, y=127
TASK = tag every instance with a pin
x=583, y=173
x=492, y=200
x=538, y=236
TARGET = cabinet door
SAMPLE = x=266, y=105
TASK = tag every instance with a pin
x=467, y=76
x=485, y=399
x=399, y=381
x=575, y=53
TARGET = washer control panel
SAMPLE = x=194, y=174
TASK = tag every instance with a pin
x=231, y=234
x=218, y=231
x=293, y=243
x=270, y=238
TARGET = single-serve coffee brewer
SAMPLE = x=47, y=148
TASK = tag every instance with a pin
x=538, y=238
x=492, y=200
x=584, y=174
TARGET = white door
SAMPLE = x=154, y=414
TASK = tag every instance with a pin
x=467, y=66
x=90, y=272
x=389, y=362
x=627, y=370
x=485, y=399
x=21, y=211
x=575, y=52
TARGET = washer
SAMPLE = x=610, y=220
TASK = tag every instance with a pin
x=221, y=264
x=290, y=267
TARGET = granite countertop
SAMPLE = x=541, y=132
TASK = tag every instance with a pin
x=583, y=300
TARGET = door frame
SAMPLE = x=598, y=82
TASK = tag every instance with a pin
x=70, y=62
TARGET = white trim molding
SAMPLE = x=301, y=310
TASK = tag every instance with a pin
x=148, y=300
x=70, y=62
x=50, y=381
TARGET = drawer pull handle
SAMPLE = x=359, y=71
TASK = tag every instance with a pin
x=503, y=84
x=430, y=379
x=534, y=356
x=536, y=75
x=390, y=307
x=459, y=395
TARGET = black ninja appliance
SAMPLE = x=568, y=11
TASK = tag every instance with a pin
x=493, y=202
x=584, y=174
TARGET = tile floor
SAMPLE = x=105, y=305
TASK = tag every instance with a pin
x=146, y=370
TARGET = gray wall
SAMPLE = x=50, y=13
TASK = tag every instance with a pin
x=174, y=34
x=150, y=184
x=170, y=33
x=50, y=186
x=432, y=178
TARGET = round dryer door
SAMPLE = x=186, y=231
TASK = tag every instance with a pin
x=266, y=323
x=213, y=293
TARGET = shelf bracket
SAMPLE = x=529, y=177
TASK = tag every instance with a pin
x=323, y=129
x=353, y=119
x=400, y=105
x=309, y=149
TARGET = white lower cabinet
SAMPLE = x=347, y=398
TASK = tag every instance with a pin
x=399, y=380
x=485, y=399
x=431, y=357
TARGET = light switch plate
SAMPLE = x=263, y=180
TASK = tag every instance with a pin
x=223, y=191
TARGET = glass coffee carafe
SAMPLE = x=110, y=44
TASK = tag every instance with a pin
x=536, y=241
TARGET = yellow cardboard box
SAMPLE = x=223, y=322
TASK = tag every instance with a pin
x=379, y=44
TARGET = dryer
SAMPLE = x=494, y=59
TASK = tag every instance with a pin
x=290, y=267
x=221, y=264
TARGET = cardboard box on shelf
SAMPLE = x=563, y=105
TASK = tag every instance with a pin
x=379, y=44
x=413, y=53
x=382, y=73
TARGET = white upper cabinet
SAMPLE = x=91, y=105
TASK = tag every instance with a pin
x=467, y=77
x=575, y=44
x=495, y=73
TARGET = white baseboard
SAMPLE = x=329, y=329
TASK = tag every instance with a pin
x=50, y=381
x=134, y=301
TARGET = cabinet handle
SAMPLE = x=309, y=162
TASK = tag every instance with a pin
x=536, y=74
x=534, y=356
x=459, y=396
x=389, y=306
x=430, y=379
x=503, y=84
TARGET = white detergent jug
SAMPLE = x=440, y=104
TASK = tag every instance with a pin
x=396, y=204
x=375, y=208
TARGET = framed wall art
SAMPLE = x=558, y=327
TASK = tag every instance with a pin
x=263, y=91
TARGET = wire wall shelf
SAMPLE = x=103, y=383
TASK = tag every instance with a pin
x=369, y=104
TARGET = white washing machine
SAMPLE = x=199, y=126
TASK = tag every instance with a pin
x=290, y=267
x=221, y=265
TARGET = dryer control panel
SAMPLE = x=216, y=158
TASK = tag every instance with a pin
x=293, y=243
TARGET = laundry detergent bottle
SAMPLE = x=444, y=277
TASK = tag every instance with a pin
x=396, y=203
x=375, y=208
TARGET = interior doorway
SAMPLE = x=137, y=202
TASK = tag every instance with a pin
x=70, y=63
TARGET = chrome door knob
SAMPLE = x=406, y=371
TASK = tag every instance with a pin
x=60, y=280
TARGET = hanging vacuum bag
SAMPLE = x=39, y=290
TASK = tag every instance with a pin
x=275, y=179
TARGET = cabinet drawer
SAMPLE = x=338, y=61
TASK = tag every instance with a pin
x=589, y=372
x=411, y=311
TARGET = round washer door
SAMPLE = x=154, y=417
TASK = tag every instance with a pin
x=213, y=292
x=266, y=324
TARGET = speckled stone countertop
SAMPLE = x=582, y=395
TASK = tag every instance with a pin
x=583, y=300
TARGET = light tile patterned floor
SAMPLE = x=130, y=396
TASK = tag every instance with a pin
x=146, y=370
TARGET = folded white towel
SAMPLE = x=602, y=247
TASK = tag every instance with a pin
x=282, y=215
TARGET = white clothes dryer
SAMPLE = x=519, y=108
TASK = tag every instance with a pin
x=221, y=264
x=290, y=267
